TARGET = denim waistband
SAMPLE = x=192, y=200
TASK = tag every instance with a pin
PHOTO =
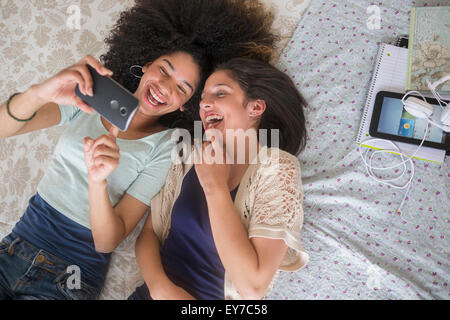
x=46, y=228
x=40, y=258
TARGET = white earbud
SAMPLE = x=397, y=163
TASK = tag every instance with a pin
x=423, y=110
x=418, y=108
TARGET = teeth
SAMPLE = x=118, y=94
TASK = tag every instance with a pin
x=212, y=118
x=153, y=94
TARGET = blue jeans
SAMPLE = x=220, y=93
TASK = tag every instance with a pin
x=29, y=273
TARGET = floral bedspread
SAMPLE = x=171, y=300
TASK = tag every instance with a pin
x=359, y=246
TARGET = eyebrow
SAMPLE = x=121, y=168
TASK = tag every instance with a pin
x=170, y=65
x=173, y=69
x=218, y=85
x=223, y=84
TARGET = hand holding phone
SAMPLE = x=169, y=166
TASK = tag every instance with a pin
x=110, y=99
x=60, y=88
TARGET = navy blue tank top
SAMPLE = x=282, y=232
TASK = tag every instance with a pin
x=189, y=255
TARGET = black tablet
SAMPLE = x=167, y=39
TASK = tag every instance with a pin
x=390, y=121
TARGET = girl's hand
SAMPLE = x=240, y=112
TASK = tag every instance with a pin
x=213, y=172
x=101, y=155
x=60, y=88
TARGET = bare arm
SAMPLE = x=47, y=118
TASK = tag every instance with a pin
x=110, y=225
x=149, y=260
x=23, y=106
x=45, y=97
x=250, y=263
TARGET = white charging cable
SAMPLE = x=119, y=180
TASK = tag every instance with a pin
x=390, y=182
x=368, y=160
x=436, y=94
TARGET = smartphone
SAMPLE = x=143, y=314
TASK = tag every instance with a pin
x=391, y=121
x=111, y=100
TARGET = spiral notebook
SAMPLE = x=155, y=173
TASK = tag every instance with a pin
x=390, y=75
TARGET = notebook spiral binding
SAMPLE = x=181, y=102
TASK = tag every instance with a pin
x=370, y=94
x=403, y=41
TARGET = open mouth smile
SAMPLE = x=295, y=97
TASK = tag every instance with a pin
x=154, y=97
x=212, y=120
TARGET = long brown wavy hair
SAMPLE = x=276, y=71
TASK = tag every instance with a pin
x=284, y=102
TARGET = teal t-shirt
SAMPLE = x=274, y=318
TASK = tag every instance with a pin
x=142, y=171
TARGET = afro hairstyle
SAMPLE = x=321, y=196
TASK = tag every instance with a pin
x=211, y=31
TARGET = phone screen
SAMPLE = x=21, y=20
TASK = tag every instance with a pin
x=395, y=120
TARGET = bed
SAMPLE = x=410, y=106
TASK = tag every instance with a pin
x=39, y=38
x=359, y=247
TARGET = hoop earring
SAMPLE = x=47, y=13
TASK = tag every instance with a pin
x=131, y=70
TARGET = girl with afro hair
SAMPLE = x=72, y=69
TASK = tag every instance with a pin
x=87, y=201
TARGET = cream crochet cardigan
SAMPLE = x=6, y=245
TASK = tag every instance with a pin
x=269, y=200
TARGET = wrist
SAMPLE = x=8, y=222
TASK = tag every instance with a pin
x=99, y=184
x=215, y=189
x=35, y=94
x=23, y=106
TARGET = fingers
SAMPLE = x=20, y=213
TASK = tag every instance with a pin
x=88, y=143
x=107, y=162
x=97, y=149
x=106, y=140
x=208, y=153
x=215, y=152
x=207, y=146
x=88, y=82
x=97, y=66
x=82, y=105
x=72, y=75
x=205, y=152
x=82, y=76
x=102, y=150
x=213, y=145
x=87, y=85
x=114, y=131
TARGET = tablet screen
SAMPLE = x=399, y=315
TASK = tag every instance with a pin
x=395, y=120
